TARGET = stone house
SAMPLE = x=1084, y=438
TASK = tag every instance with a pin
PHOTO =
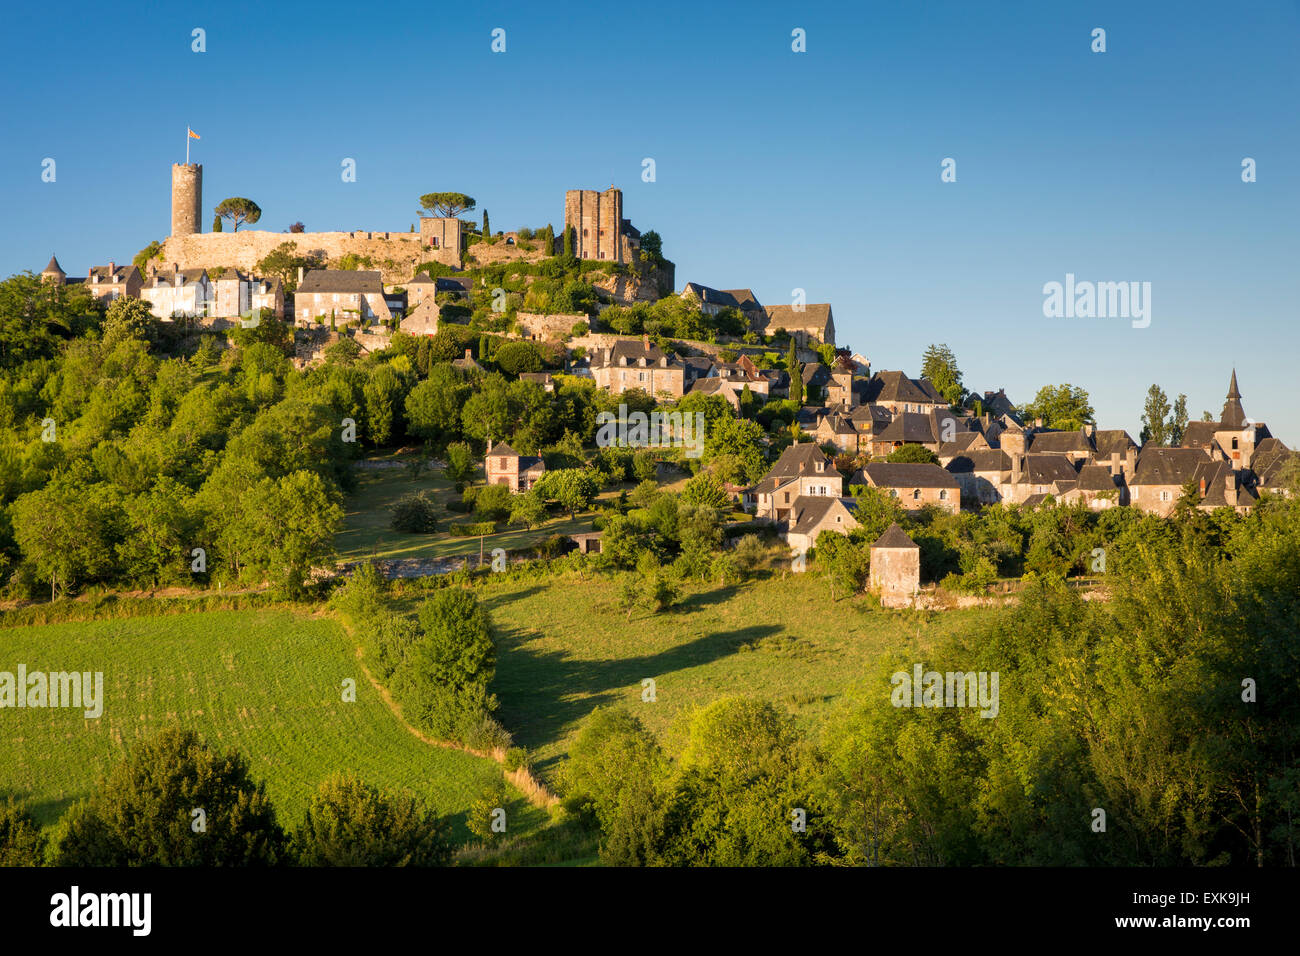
x=914, y=485
x=1029, y=475
x=1075, y=445
x=837, y=429
x=715, y=385
x=895, y=574
x=423, y=319
x=505, y=466
x=979, y=474
x=238, y=295
x=803, y=470
x=898, y=393
x=445, y=239
x=466, y=363
x=1267, y=466
x=962, y=443
x=807, y=324
x=1161, y=473
x=631, y=364
x=180, y=293
x=905, y=428
x=344, y=294
x=809, y=517
x=419, y=287
x=1098, y=488
x=112, y=281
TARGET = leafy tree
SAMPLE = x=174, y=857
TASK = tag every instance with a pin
x=446, y=205
x=462, y=463
x=705, y=489
x=442, y=682
x=142, y=814
x=127, y=317
x=652, y=244
x=939, y=365
x=287, y=526
x=22, y=842
x=415, y=514
x=568, y=242
x=487, y=230
x=913, y=453
x=1062, y=406
x=349, y=823
x=1178, y=423
x=151, y=251
x=528, y=509
x=573, y=488
x=1154, y=415
x=239, y=210
x=516, y=357
x=433, y=406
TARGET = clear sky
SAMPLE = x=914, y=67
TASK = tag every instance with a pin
x=774, y=170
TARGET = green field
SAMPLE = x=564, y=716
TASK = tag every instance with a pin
x=265, y=682
x=564, y=648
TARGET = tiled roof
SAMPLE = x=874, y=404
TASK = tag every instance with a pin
x=341, y=280
x=908, y=475
x=894, y=537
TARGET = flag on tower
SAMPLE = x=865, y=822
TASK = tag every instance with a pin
x=193, y=134
x=190, y=135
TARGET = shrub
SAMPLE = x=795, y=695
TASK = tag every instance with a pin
x=350, y=823
x=21, y=841
x=415, y=514
x=471, y=529
x=493, y=503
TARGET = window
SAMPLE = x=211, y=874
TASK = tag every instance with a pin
x=1234, y=444
x=943, y=494
x=916, y=494
x=1165, y=496
x=893, y=492
x=787, y=497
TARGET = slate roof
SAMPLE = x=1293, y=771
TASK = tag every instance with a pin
x=1046, y=469
x=897, y=387
x=1270, y=457
x=894, y=537
x=801, y=459
x=634, y=351
x=711, y=296
x=961, y=441
x=890, y=474
x=980, y=459
x=908, y=426
x=1059, y=442
x=53, y=268
x=814, y=316
x=745, y=299
x=1167, y=466
x=1107, y=440
x=341, y=280
x=1096, y=478
x=119, y=273
x=1233, y=416
x=810, y=510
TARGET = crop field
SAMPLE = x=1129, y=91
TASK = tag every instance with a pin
x=266, y=682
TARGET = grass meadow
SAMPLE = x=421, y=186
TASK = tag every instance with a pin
x=266, y=682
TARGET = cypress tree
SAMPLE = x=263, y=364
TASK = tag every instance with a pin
x=568, y=242
x=487, y=230
x=216, y=224
x=796, y=373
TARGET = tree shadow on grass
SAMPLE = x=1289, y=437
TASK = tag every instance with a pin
x=543, y=693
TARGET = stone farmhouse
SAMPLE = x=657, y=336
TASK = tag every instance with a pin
x=180, y=293
x=103, y=282
x=630, y=364
x=343, y=294
x=505, y=466
x=423, y=319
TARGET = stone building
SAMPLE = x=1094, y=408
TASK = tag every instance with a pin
x=1030, y=475
x=180, y=293
x=914, y=485
x=505, y=466
x=810, y=516
x=236, y=294
x=423, y=319
x=187, y=199
x=803, y=470
x=807, y=324
x=631, y=364
x=444, y=238
x=599, y=229
x=53, y=273
x=346, y=295
x=979, y=472
x=112, y=281
x=537, y=327
x=895, y=574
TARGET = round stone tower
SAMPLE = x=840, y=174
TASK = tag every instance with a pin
x=187, y=198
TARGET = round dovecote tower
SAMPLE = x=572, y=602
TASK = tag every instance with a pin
x=187, y=198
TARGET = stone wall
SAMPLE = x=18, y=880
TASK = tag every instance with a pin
x=895, y=574
x=395, y=254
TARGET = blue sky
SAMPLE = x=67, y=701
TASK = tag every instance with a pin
x=775, y=170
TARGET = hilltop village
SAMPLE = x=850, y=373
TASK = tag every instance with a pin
x=597, y=302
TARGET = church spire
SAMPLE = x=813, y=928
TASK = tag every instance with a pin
x=1234, y=416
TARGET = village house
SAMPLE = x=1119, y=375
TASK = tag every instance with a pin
x=343, y=294
x=836, y=428
x=423, y=319
x=806, y=324
x=466, y=363
x=1042, y=475
x=914, y=485
x=811, y=516
x=898, y=393
x=895, y=574
x=111, y=281
x=979, y=473
x=724, y=387
x=962, y=442
x=1161, y=476
x=630, y=364
x=420, y=287
x=1075, y=445
x=180, y=293
x=803, y=470
x=239, y=295
x=505, y=466
x=1097, y=488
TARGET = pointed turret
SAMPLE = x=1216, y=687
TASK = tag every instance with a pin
x=54, y=272
x=1234, y=416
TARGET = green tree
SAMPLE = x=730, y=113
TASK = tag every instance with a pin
x=939, y=365
x=573, y=488
x=144, y=812
x=1154, y=417
x=128, y=317
x=446, y=205
x=913, y=453
x=442, y=682
x=22, y=842
x=349, y=823
x=216, y=223
x=239, y=210
x=487, y=229
x=1061, y=406
x=795, y=371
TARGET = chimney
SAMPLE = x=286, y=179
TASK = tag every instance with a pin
x=1230, y=489
x=645, y=340
x=489, y=450
x=1115, y=467
x=1089, y=430
x=1038, y=423
x=1202, y=483
x=300, y=275
x=112, y=268
x=469, y=355
x=1017, y=462
x=1130, y=465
